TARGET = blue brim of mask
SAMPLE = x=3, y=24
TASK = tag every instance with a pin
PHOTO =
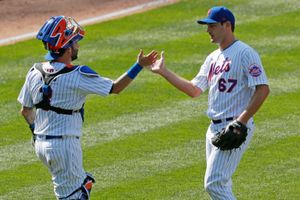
x=51, y=56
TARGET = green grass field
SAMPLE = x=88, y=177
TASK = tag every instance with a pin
x=149, y=141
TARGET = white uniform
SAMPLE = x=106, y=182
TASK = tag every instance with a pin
x=63, y=157
x=231, y=76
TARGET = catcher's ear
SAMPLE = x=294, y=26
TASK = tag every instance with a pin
x=69, y=50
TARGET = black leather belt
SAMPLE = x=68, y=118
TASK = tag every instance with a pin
x=218, y=121
x=49, y=137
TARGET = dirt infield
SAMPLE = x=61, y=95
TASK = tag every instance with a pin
x=24, y=16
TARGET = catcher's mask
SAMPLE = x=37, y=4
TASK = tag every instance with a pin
x=59, y=33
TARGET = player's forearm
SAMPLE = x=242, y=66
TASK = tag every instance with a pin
x=181, y=84
x=28, y=114
x=259, y=96
x=121, y=83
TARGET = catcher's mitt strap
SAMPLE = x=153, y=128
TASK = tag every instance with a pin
x=85, y=70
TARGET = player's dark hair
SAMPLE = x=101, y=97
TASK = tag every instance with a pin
x=232, y=25
x=61, y=52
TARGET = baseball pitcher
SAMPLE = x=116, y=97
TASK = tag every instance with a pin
x=237, y=86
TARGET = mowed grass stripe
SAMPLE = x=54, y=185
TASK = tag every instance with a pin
x=253, y=10
x=106, y=131
x=122, y=171
x=182, y=183
x=275, y=171
x=132, y=147
x=188, y=154
x=141, y=122
x=276, y=129
x=286, y=83
x=178, y=157
x=260, y=135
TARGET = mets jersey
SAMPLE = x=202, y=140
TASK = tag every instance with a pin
x=231, y=76
x=69, y=92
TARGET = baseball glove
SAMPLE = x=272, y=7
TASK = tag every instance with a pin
x=230, y=137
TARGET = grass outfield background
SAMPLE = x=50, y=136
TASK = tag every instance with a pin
x=149, y=141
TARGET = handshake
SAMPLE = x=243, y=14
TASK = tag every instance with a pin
x=152, y=61
x=155, y=63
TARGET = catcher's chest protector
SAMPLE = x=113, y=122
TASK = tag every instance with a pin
x=46, y=89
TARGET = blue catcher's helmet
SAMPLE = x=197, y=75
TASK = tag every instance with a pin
x=59, y=32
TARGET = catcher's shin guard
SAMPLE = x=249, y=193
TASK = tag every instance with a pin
x=86, y=187
x=83, y=192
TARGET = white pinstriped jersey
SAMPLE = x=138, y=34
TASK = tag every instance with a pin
x=69, y=92
x=231, y=76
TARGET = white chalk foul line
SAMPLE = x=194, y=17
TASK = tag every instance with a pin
x=126, y=11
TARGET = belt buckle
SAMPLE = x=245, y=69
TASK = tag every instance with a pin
x=75, y=111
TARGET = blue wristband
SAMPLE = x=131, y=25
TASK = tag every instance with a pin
x=134, y=70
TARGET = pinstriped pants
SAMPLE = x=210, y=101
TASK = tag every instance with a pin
x=220, y=165
x=63, y=158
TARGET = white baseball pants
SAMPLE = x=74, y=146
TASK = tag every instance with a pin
x=63, y=158
x=220, y=165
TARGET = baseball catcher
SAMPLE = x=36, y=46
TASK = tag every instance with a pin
x=231, y=137
x=52, y=99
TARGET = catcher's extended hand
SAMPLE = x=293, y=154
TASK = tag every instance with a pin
x=231, y=137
